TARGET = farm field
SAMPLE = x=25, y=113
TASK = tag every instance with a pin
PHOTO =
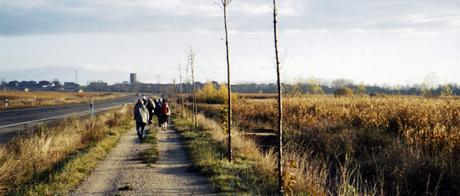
x=20, y=99
x=391, y=145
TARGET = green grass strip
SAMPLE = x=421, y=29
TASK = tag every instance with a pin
x=209, y=157
x=150, y=155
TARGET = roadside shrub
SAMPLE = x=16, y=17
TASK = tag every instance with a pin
x=345, y=91
x=210, y=94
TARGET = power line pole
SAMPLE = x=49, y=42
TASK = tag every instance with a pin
x=280, y=104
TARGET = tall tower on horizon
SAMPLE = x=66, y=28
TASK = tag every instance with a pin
x=133, y=78
x=76, y=76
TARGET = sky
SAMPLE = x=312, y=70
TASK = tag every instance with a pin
x=371, y=41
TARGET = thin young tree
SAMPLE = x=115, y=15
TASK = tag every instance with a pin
x=181, y=92
x=187, y=86
x=173, y=90
x=280, y=102
x=224, y=4
x=194, y=107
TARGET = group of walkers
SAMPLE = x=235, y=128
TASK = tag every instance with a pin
x=145, y=109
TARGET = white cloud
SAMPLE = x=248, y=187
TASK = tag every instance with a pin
x=252, y=8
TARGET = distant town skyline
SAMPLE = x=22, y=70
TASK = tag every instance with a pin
x=375, y=42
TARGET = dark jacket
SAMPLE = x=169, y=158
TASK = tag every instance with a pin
x=150, y=107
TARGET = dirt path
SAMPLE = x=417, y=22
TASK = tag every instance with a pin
x=122, y=173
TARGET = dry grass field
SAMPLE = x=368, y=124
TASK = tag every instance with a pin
x=20, y=99
x=392, y=145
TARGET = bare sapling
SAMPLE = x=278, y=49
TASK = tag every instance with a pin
x=194, y=107
x=280, y=102
x=187, y=89
x=224, y=4
x=181, y=92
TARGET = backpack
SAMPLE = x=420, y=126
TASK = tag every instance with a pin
x=158, y=109
x=165, y=110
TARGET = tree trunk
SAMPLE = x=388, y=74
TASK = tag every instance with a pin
x=187, y=87
x=280, y=104
x=194, y=108
x=229, y=88
x=181, y=89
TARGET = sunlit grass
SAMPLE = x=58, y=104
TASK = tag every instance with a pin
x=250, y=172
x=360, y=144
x=55, y=159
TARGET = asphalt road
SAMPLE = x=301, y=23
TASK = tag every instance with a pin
x=15, y=121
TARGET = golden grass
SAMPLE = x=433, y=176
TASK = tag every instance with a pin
x=431, y=123
x=363, y=145
x=26, y=161
x=20, y=99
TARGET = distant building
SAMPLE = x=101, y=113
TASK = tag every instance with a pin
x=133, y=78
x=71, y=86
x=56, y=83
x=13, y=84
x=44, y=84
x=28, y=84
x=97, y=86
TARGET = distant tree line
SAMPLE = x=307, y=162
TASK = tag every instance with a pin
x=304, y=87
x=315, y=88
x=43, y=85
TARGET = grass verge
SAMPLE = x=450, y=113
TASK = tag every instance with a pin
x=251, y=172
x=150, y=155
x=55, y=160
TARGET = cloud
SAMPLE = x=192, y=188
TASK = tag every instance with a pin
x=102, y=16
x=19, y=17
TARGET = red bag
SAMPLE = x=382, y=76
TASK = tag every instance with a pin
x=165, y=109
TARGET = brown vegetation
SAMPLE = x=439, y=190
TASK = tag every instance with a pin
x=374, y=145
x=20, y=99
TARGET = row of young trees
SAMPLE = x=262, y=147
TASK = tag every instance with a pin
x=224, y=5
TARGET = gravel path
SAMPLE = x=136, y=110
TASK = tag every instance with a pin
x=122, y=173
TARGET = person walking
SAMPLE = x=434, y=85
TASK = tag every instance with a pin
x=91, y=107
x=141, y=116
x=165, y=114
x=158, y=109
x=151, y=109
x=144, y=99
